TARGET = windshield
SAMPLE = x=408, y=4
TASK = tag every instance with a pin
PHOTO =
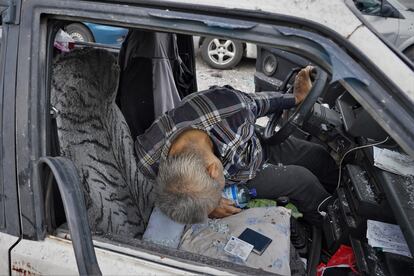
x=368, y=6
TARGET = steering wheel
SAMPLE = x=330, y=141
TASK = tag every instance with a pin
x=300, y=115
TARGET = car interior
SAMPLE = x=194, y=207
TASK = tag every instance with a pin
x=95, y=116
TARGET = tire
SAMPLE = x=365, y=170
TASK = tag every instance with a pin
x=409, y=52
x=79, y=32
x=221, y=53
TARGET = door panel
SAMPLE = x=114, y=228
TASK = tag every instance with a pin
x=55, y=256
x=6, y=241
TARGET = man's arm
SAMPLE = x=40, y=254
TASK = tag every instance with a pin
x=226, y=208
x=271, y=102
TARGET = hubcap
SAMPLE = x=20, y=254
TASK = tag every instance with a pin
x=77, y=36
x=221, y=51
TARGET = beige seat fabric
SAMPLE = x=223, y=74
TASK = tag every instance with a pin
x=274, y=222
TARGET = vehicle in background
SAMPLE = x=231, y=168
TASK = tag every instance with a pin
x=223, y=53
x=102, y=34
x=393, y=20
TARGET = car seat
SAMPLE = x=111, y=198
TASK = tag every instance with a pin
x=93, y=133
x=153, y=79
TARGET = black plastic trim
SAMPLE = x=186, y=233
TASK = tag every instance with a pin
x=69, y=185
x=315, y=252
x=9, y=191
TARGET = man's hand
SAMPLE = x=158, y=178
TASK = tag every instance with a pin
x=226, y=208
x=303, y=84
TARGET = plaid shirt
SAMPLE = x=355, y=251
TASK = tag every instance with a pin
x=228, y=116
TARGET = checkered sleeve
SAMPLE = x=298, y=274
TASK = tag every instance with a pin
x=271, y=102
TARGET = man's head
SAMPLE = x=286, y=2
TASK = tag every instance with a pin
x=189, y=185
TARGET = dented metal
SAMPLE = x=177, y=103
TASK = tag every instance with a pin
x=55, y=256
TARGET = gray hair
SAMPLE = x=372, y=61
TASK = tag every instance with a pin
x=185, y=191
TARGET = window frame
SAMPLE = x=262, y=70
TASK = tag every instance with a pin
x=9, y=203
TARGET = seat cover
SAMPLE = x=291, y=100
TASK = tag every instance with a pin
x=93, y=133
x=209, y=239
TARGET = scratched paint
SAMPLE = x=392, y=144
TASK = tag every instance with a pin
x=24, y=268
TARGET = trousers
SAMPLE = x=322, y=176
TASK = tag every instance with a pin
x=301, y=170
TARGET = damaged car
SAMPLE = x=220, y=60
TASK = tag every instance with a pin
x=72, y=200
x=393, y=19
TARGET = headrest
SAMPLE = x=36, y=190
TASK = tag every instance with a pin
x=89, y=76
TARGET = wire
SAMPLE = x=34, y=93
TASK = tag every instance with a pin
x=322, y=213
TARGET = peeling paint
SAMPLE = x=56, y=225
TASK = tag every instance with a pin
x=24, y=268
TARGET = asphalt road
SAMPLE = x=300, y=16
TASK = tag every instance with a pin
x=241, y=77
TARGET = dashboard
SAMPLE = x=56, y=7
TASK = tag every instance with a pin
x=365, y=192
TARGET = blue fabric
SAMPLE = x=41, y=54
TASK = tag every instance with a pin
x=162, y=230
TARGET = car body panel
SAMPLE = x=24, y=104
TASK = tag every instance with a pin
x=333, y=14
x=396, y=4
x=105, y=34
x=406, y=30
x=6, y=242
x=384, y=59
x=388, y=27
x=408, y=4
x=399, y=31
x=407, y=44
x=57, y=258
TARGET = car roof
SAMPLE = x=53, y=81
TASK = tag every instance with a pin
x=398, y=5
x=333, y=14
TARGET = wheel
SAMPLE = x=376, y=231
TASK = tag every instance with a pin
x=221, y=53
x=409, y=52
x=79, y=32
x=273, y=136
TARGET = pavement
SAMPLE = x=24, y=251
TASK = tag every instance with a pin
x=240, y=78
